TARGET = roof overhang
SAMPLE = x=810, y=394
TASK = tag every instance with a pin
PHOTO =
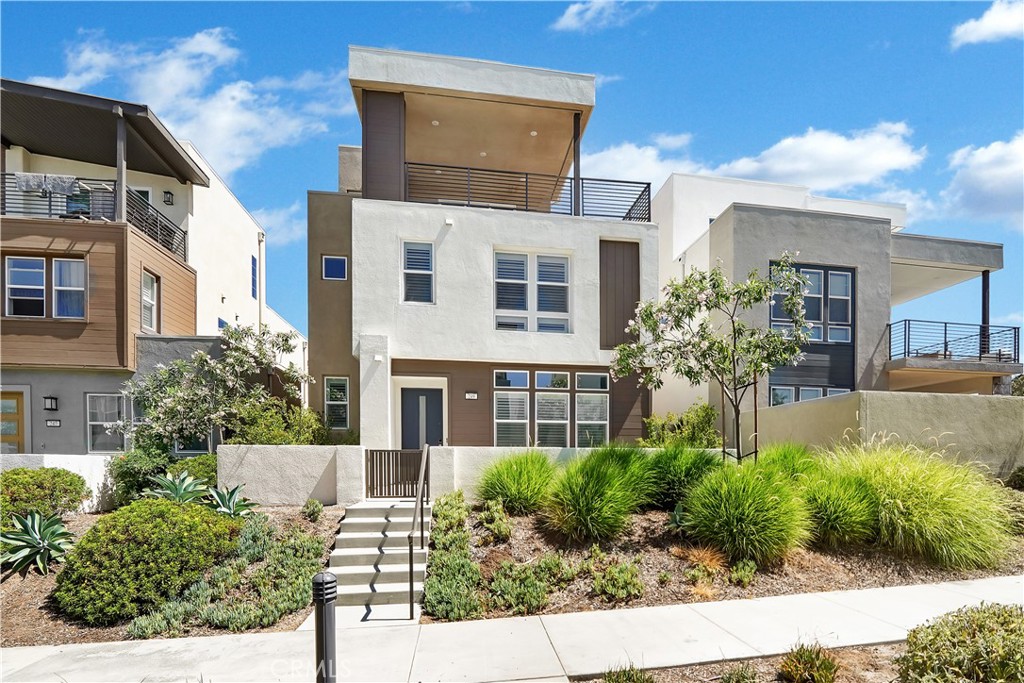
x=922, y=264
x=71, y=125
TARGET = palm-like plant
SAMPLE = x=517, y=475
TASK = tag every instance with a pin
x=230, y=502
x=182, y=488
x=37, y=540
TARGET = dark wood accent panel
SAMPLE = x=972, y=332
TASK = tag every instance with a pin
x=383, y=145
x=620, y=290
x=471, y=421
x=824, y=365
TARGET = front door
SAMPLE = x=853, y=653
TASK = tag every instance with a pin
x=422, y=418
x=12, y=422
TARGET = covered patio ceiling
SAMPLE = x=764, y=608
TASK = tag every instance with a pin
x=922, y=264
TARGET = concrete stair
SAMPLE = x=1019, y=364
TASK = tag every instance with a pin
x=371, y=554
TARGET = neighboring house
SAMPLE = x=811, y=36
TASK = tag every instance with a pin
x=466, y=284
x=108, y=224
x=859, y=266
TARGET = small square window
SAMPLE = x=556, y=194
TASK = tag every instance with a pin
x=839, y=334
x=782, y=395
x=335, y=268
x=591, y=381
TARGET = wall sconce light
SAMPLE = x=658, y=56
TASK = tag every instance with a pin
x=49, y=403
x=169, y=198
x=378, y=358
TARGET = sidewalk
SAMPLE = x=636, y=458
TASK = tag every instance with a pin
x=525, y=648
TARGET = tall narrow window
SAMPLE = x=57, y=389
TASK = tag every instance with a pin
x=255, y=278
x=553, y=294
x=511, y=418
x=814, y=302
x=336, y=402
x=840, y=297
x=68, y=288
x=552, y=419
x=26, y=286
x=418, y=272
x=102, y=411
x=510, y=289
x=591, y=420
x=150, y=302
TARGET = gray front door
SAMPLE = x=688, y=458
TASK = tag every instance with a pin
x=422, y=418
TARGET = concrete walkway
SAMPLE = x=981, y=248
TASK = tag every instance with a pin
x=528, y=648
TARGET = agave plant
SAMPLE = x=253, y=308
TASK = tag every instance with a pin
x=230, y=502
x=37, y=540
x=181, y=488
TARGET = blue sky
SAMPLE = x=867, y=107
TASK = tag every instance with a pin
x=921, y=102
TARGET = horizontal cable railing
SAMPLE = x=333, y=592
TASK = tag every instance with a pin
x=954, y=341
x=522, y=191
x=52, y=196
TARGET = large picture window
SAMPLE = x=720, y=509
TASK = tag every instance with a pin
x=336, y=402
x=537, y=304
x=828, y=303
x=102, y=410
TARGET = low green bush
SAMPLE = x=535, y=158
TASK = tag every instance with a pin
x=517, y=587
x=255, y=539
x=982, y=643
x=628, y=674
x=843, y=511
x=131, y=472
x=451, y=589
x=50, y=491
x=200, y=467
x=677, y=470
x=789, y=460
x=496, y=522
x=696, y=428
x=742, y=573
x=312, y=509
x=519, y=482
x=137, y=557
x=808, y=664
x=744, y=673
x=619, y=582
x=554, y=570
x=274, y=422
x=748, y=513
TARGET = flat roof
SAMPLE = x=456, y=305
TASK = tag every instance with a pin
x=72, y=125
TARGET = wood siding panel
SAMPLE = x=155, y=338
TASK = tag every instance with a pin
x=471, y=422
x=620, y=290
x=99, y=341
x=383, y=145
x=824, y=365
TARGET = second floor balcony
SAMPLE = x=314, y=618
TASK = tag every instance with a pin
x=948, y=341
x=34, y=195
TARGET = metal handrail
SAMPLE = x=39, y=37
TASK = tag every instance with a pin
x=417, y=511
x=954, y=341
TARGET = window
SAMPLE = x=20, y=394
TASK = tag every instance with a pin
x=840, y=301
x=197, y=444
x=591, y=381
x=511, y=418
x=221, y=323
x=548, y=309
x=782, y=395
x=336, y=402
x=809, y=393
x=511, y=379
x=552, y=380
x=418, y=272
x=68, y=288
x=828, y=304
x=591, y=419
x=552, y=412
x=836, y=392
x=103, y=409
x=335, y=268
x=150, y=302
x=255, y=278
x=26, y=286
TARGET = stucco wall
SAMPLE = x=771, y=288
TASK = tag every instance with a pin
x=290, y=475
x=93, y=469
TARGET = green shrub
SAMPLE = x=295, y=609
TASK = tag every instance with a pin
x=742, y=573
x=842, y=510
x=792, y=461
x=200, y=467
x=131, y=472
x=808, y=664
x=628, y=674
x=274, y=422
x=555, y=571
x=451, y=589
x=181, y=489
x=981, y=643
x=517, y=587
x=747, y=513
x=496, y=521
x=677, y=470
x=744, y=673
x=450, y=511
x=620, y=582
x=1016, y=479
x=50, y=491
x=36, y=541
x=230, y=502
x=664, y=578
x=696, y=428
x=139, y=556
x=255, y=539
x=929, y=507
x=312, y=510
x=519, y=482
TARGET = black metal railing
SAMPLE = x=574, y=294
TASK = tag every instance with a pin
x=422, y=495
x=522, y=191
x=93, y=199
x=954, y=341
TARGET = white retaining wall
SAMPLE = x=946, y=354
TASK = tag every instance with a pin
x=93, y=469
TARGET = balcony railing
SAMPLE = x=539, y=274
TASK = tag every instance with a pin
x=521, y=191
x=89, y=199
x=954, y=341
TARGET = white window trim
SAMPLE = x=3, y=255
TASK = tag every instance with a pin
x=567, y=285
x=607, y=380
x=84, y=289
x=347, y=402
x=536, y=411
x=148, y=190
x=836, y=391
x=494, y=380
x=155, y=302
x=531, y=313
x=538, y=373
x=848, y=328
x=431, y=272
x=89, y=423
x=494, y=414
x=792, y=394
x=7, y=286
x=820, y=296
x=820, y=390
x=323, y=266
x=578, y=422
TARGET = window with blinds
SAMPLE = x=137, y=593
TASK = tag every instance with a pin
x=531, y=292
x=418, y=272
x=511, y=418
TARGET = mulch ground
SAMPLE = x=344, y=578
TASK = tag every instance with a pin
x=28, y=616
x=649, y=543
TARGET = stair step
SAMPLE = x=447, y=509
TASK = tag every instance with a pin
x=371, y=557
x=381, y=594
x=394, y=524
x=385, y=574
x=383, y=509
x=371, y=539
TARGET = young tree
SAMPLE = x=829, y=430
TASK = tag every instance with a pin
x=697, y=332
x=196, y=396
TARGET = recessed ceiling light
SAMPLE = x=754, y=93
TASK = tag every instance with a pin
x=533, y=133
x=483, y=154
x=435, y=123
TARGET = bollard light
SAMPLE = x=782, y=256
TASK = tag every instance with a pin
x=325, y=593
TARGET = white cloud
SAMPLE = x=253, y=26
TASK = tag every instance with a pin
x=1003, y=20
x=594, y=15
x=989, y=181
x=920, y=206
x=601, y=80
x=1011, y=319
x=673, y=141
x=283, y=226
x=643, y=163
x=187, y=82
